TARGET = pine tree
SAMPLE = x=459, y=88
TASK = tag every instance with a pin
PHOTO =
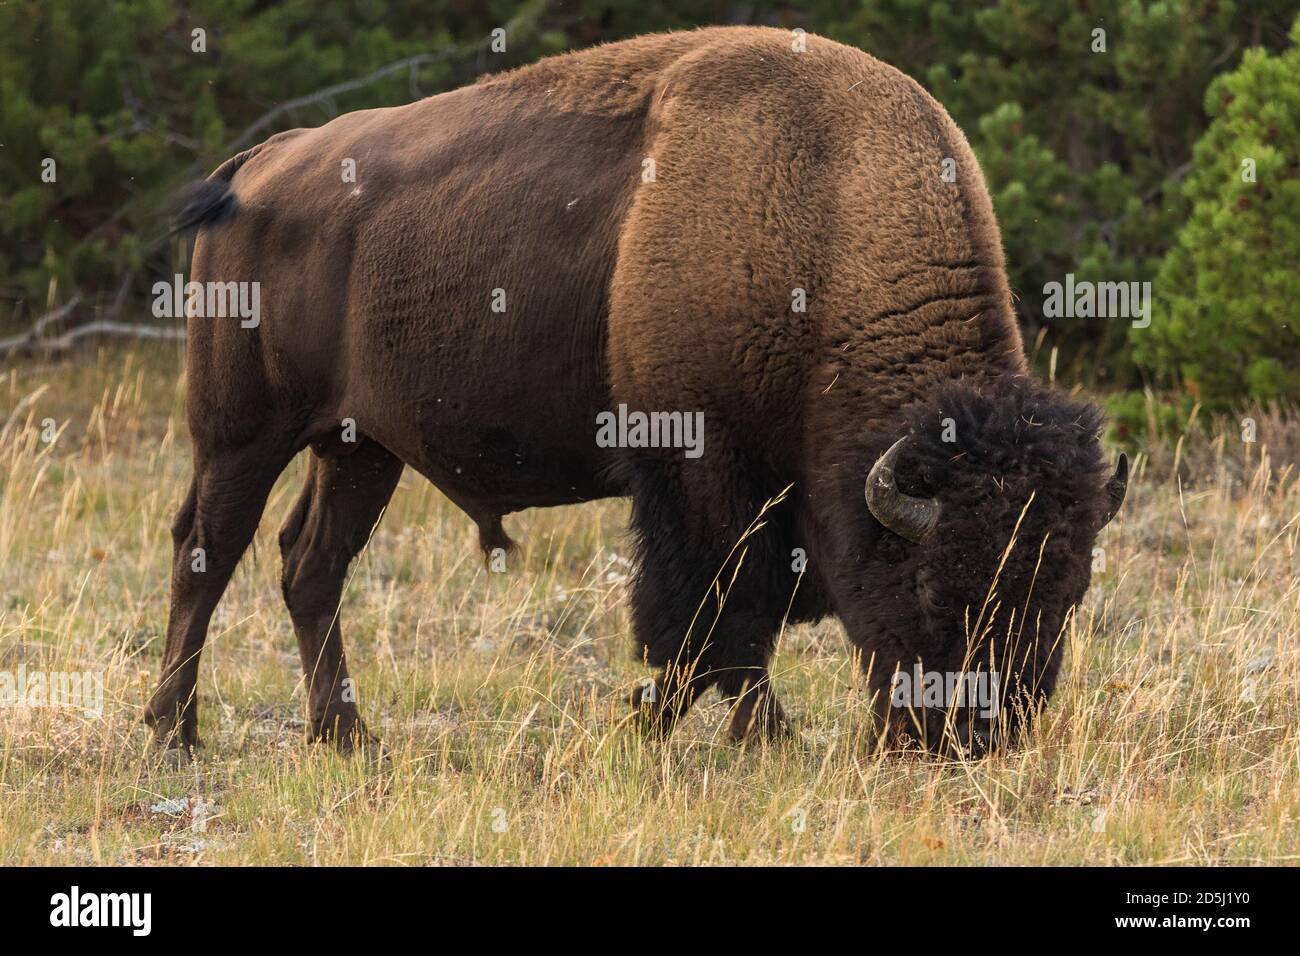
x=1227, y=325
x=107, y=108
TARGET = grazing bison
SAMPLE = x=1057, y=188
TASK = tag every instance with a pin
x=794, y=247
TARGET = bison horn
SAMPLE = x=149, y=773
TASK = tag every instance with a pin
x=1116, y=488
x=911, y=518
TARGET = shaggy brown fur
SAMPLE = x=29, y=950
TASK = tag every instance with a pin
x=773, y=171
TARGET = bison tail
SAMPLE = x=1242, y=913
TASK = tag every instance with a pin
x=206, y=203
x=211, y=201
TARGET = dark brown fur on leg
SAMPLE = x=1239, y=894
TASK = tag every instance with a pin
x=332, y=521
x=705, y=612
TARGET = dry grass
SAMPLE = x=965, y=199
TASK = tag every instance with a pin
x=1173, y=738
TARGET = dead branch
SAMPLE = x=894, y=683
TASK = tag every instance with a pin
x=29, y=338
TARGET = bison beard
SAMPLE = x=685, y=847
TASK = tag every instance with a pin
x=709, y=222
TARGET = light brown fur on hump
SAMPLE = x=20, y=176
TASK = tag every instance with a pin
x=776, y=171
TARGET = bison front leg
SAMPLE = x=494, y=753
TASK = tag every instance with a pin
x=728, y=659
x=704, y=612
x=340, y=506
x=756, y=712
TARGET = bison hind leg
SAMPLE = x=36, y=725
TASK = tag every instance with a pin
x=340, y=506
x=211, y=532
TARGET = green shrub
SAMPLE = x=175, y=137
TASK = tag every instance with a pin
x=1139, y=420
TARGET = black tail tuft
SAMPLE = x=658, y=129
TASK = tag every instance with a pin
x=206, y=203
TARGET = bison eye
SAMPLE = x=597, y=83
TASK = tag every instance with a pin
x=927, y=594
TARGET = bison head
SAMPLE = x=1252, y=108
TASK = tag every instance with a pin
x=985, y=513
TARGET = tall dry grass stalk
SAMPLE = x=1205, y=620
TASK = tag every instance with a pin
x=1172, y=737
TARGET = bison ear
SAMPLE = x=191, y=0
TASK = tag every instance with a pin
x=1116, y=488
x=912, y=518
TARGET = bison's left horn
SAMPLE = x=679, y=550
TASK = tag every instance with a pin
x=911, y=518
x=1116, y=487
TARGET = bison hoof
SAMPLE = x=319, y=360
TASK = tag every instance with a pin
x=650, y=711
x=348, y=734
x=174, y=758
x=758, y=716
x=172, y=731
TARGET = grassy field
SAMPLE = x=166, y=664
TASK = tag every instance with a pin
x=1172, y=738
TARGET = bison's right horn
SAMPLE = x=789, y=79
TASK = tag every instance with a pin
x=1116, y=488
x=911, y=518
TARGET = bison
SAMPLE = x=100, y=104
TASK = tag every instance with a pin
x=773, y=235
